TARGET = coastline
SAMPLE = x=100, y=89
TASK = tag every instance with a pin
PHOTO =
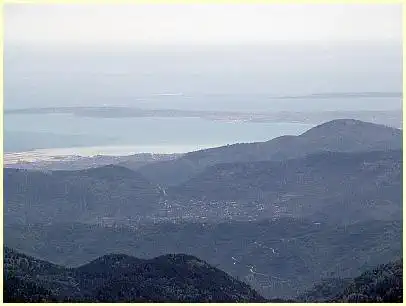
x=74, y=153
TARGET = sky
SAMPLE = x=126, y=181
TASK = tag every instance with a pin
x=113, y=73
x=126, y=24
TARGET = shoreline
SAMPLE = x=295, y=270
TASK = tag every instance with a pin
x=74, y=153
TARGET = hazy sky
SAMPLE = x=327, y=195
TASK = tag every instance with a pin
x=200, y=24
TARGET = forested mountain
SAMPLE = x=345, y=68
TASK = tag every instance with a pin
x=341, y=135
x=172, y=278
x=122, y=278
x=381, y=284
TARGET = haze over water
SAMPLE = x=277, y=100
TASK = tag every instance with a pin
x=216, y=74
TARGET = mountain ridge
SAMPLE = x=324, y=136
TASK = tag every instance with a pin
x=341, y=135
x=122, y=278
x=175, y=277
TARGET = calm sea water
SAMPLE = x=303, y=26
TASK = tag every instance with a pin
x=199, y=78
x=61, y=130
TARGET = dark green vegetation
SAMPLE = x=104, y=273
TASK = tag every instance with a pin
x=320, y=208
x=18, y=290
x=175, y=278
x=121, y=278
x=381, y=284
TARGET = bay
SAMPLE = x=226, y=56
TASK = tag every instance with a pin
x=162, y=134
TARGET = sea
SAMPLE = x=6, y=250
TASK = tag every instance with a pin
x=226, y=78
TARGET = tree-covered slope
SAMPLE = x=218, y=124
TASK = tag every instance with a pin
x=174, y=278
x=122, y=278
x=384, y=284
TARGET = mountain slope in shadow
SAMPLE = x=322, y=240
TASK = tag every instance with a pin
x=122, y=278
x=173, y=278
x=382, y=284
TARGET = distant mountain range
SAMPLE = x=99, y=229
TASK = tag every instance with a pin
x=171, y=278
x=343, y=135
x=340, y=95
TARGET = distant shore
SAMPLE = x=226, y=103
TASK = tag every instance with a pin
x=69, y=154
